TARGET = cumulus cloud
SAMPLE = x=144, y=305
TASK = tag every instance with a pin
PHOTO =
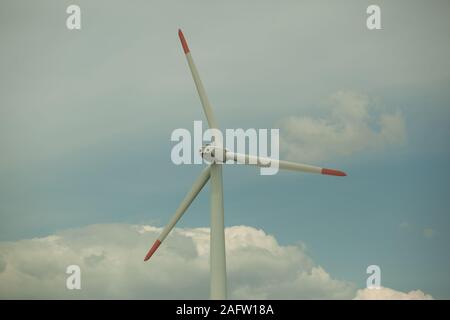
x=390, y=294
x=349, y=127
x=429, y=233
x=111, y=260
x=426, y=232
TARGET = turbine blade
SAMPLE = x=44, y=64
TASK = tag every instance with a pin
x=198, y=83
x=286, y=165
x=195, y=190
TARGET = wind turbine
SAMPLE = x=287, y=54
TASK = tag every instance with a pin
x=216, y=155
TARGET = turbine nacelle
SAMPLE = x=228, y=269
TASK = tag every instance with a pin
x=213, y=153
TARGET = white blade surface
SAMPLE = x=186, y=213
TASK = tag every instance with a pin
x=286, y=165
x=195, y=190
x=198, y=83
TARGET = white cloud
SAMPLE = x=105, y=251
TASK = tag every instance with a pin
x=390, y=294
x=111, y=260
x=426, y=232
x=112, y=266
x=429, y=233
x=349, y=127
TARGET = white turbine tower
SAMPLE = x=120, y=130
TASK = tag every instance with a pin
x=216, y=154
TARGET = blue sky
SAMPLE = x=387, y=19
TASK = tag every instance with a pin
x=86, y=118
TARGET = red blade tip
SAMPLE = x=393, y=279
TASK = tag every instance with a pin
x=152, y=250
x=332, y=172
x=183, y=41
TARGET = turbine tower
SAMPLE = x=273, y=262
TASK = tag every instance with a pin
x=217, y=155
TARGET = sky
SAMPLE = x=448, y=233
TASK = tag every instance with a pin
x=86, y=176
